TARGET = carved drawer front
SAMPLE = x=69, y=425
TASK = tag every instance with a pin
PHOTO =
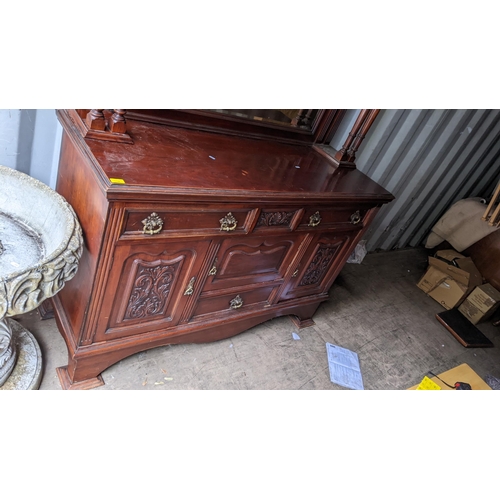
x=278, y=218
x=241, y=261
x=187, y=220
x=320, y=264
x=333, y=217
x=230, y=303
x=148, y=287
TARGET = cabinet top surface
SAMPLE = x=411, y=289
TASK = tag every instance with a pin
x=177, y=159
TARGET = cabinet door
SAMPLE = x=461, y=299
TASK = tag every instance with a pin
x=251, y=260
x=319, y=266
x=148, y=286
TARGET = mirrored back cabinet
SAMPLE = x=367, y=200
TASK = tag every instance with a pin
x=200, y=224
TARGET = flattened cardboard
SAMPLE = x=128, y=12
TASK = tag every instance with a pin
x=449, y=255
x=432, y=278
x=481, y=303
x=453, y=272
x=449, y=293
x=475, y=278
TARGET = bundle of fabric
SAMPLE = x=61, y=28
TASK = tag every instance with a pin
x=461, y=225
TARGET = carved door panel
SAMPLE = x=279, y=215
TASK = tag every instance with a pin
x=149, y=286
x=319, y=265
x=252, y=260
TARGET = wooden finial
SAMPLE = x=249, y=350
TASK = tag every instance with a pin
x=95, y=120
x=117, y=122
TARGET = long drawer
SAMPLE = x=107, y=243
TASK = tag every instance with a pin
x=324, y=218
x=232, y=302
x=178, y=221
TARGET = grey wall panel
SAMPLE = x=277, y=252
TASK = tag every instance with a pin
x=30, y=141
x=428, y=159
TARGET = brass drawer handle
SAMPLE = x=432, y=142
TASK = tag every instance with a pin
x=356, y=217
x=190, y=288
x=314, y=220
x=213, y=269
x=236, y=303
x=152, y=224
x=228, y=223
x=295, y=274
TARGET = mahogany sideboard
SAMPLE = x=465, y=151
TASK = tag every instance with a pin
x=195, y=234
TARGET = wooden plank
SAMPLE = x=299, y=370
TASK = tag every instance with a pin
x=486, y=216
x=462, y=329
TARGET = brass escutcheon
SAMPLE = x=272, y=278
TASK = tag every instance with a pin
x=356, y=217
x=228, y=223
x=314, y=220
x=236, y=303
x=152, y=224
x=213, y=269
x=190, y=288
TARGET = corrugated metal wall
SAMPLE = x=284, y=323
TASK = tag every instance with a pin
x=30, y=140
x=428, y=159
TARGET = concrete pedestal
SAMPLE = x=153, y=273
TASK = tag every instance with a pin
x=27, y=373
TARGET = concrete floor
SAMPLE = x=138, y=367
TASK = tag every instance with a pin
x=375, y=309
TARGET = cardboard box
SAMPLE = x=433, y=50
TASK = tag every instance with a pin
x=481, y=303
x=449, y=278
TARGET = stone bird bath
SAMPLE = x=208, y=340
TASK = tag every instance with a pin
x=40, y=248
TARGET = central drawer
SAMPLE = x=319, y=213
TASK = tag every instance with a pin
x=233, y=302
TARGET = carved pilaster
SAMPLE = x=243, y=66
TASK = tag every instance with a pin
x=346, y=155
x=319, y=265
x=303, y=118
x=362, y=134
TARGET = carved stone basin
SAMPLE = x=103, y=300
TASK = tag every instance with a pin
x=40, y=248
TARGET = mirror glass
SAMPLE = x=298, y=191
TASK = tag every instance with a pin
x=302, y=118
